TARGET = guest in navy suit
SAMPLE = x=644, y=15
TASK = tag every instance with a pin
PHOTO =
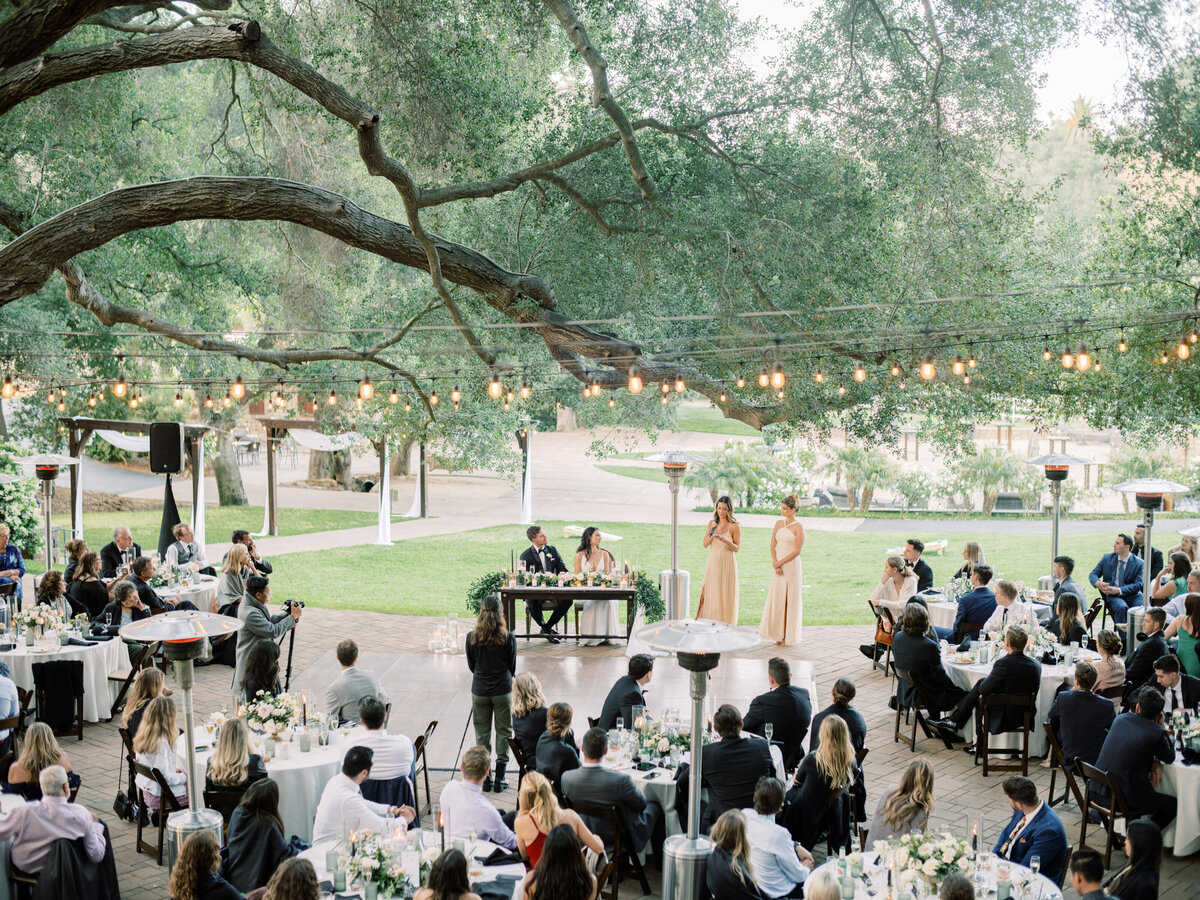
x=787, y=707
x=975, y=606
x=1081, y=719
x=1133, y=755
x=1118, y=576
x=1139, y=671
x=541, y=557
x=1034, y=830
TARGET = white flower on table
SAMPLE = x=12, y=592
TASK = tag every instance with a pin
x=930, y=866
x=664, y=745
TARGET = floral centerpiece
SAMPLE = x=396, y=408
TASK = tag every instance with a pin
x=166, y=576
x=654, y=738
x=373, y=861
x=956, y=588
x=40, y=616
x=928, y=857
x=81, y=622
x=272, y=713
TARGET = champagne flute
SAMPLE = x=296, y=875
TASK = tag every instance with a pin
x=1035, y=864
x=769, y=730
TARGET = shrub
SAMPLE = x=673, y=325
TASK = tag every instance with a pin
x=18, y=504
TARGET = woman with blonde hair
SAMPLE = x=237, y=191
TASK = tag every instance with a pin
x=972, y=556
x=232, y=767
x=823, y=774
x=1186, y=546
x=538, y=812
x=729, y=874
x=785, y=600
x=897, y=584
x=529, y=713
x=295, y=879
x=231, y=586
x=719, y=588
x=195, y=874
x=148, y=685
x=492, y=659
x=823, y=885
x=1110, y=668
x=905, y=807
x=157, y=746
x=40, y=751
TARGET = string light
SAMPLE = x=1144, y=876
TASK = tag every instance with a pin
x=779, y=395
x=526, y=390
x=358, y=403
x=1047, y=355
x=972, y=362
x=279, y=399
x=52, y=397
x=901, y=385
x=433, y=398
x=665, y=387
x=494, y=387
x=587, y=393
x=456, y=407
x=208, y=401
x=664, y=400
x=721, y=399
x=860, y=374
x=680, y=387
x=1164, y=359
x=92, y=400
x=1096, y=363
x=407, y=406
x=764, y=377
x=9, y=390
x=895, y=369
x=1184, y=350
x=134, y=402
x=841, y=390
x=958, y=366
x=366, y=390
x=1193, y=336
x=1068, y=358
x=508, y=395
x=394, y=397
x=1083, y=359
x=455, y=394
x=120, y=389
x=778, y=378
x=928, y=370
x=611, y=402
x=819, y=376
x=332, y=401
x=635, y=380
x=226, y=401
x=178, y=399
x=1121, y=345
x=507, y=405
x=966, y=379
x=741, y=381
x=239, y=388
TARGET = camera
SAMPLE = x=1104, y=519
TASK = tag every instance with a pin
x=288, y=604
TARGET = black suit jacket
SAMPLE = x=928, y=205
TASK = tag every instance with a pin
x=147, y=595
x=924, y=575
x=920, y=657
x=1081, y=721
x=555, y=756
x=527, y=730
x=601, y=787
x=1132, y=745
x=731, y=769
x=789, y=709
x=625, y=695
x=1013, y=673
x=110, y=558
x=533, y=563
x=855, y=723
x=1156, y=561
x=1189, y=690
x=1140, y=668
x=808, y=811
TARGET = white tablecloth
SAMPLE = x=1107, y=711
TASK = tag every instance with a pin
x=1041, y=886
x=301, y=777
x=942, y=612
x=98, y=660
x=1184, y=783
x=203, y=593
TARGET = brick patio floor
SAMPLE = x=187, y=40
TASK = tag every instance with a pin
x=424, y=686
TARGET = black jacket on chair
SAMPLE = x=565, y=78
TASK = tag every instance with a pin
x=69, y=874
x=1081, y=721
x=921, y=658
x=624, y=696
x=1140, y=668
x=58, y=682
x=789, y=709
x=730, y=770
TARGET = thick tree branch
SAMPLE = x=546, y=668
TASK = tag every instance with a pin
x=587, y=206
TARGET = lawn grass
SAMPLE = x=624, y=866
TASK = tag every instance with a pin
x=639, y=472
x=219, y=522
x=708, y=420
x=430, y=576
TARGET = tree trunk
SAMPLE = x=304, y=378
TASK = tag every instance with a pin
x=989, y=501
x=868, y=494
x=851, y=495
x=230, y=491
x=333, y=466
x=402, y=457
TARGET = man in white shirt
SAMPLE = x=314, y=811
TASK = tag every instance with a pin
x=352, y=686
x=343, y=805
x=393, y=753
x=10, y=705
x=780, y=866
x=186, y=552
x=464, y=808
x=1009, y=608
x=35, y=826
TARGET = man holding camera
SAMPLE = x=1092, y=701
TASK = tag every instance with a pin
x=259, y=625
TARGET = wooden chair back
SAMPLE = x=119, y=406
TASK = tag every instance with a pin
x=913, y=709
x=621, y=835
x=167, y=805
x=1109, y=808
x=1058, y=764
x=1027, y=704
x=422, y=765
x=514, y=749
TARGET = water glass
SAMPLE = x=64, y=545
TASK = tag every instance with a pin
x=1035, y=864
x=620, y=724
x=769, y=730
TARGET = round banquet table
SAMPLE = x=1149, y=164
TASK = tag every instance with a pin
x=301, y=776
x=1026, y=885
x=1183, y=782
x=942, y=612
x=967, y=674
x=202, y=592
x=99, y=658
x=514, y=873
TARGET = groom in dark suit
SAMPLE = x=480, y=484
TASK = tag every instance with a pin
x=541, y=557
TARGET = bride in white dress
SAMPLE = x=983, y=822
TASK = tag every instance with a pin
x=599, y=616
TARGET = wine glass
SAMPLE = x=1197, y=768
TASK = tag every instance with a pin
x=1035, y=864
x=769, y=730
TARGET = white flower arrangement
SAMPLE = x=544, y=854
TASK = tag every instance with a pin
x=929, y=857
x=956, y=588
x=272, y=712
x=41, y=615
x=373, y=861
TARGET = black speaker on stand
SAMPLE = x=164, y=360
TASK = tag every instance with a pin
x=166, y=448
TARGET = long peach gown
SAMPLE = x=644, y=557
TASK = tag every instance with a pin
x=781, y=619
x=719, y=589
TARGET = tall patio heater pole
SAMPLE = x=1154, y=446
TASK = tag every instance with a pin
x=675, y=585
x=1057, y=466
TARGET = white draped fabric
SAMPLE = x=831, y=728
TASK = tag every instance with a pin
x=198, y=506
x=329, y=443
x=527, y=488
x=135, y=443
x=385, y=498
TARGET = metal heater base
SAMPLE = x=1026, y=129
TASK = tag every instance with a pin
x=685, y=862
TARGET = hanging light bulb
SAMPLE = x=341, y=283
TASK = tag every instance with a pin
x=841, y=390
x=741, y=381
x=92, y=400
x=972, y=362
x=966, y=379
x=208, y=401
x=52, y=397
x=928, y=369
x=366, y=390
x=120, y=389
x=394, y=397
x=611, y=402
x=778, y=379
x=279, y=400
x=9, y=390
x=455, y=394
x=332, y=401
x=1083, y=359
x=494, y=387
x=407, y=406
x=721, y=399
x=358, y=403
x=1193, y=336
x=664, y=400
x=635, y=380
x=433, y=398
x=819, y=376
x=901, y=385
x=238, y=390
x=779, y=395
x=507, y=405
x=456, y=407
x=508, y=395
x=178, y=399
x=895, y=369
x=680, y=387
x=958, y=366
x=860, y=374
x=764, y=377
x=1121, y=345
x=1096, y=361
x=1068, y=358
x=665, y=387
x=1163, y=358
x=587, y=392
x=1184, y=350
x=62, y=407
x=526, y=390
x=1046, y=354
x=227, y=400
x=134, y=402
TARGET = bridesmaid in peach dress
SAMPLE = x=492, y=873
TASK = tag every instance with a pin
x=781, y=619
x=719, y=589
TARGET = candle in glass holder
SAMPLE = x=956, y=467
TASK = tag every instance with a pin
x=304, y=709
x=331, y=860
x=305, y=742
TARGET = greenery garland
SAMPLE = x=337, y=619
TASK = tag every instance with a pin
x=646, y=594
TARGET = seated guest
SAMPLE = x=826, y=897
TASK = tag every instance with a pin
x=261, y=672
x=731, y=768
x=39, y=751
x=255, y=842
x=898, y=585
x=1138, y=879
x=823, y=885
x=1068, y=626
x=295, y=879
x=913, y=549
x=465, y=808
x=35, y=827
x=1186, y=546
x=823, y=774
x=392, y=754
x=904, y=808
x=974, y=607
x=143, y=570
x=12, y=564
x=448, y=879
x=186, y=552
x=956, y=886
x=1139, y=550
x=626, y=693
x=528, y=714
x=147, y=686
x=10, y=705
x=843, y=696
x=593, y=784
x=787, y=707
x=1118, y=576
x=87, y=589
x=231, y=585
x=556, y=751
x=1085, y=872
x=1177, y=605
x=232, y=767
x=1064, y=583
x=195, y=875
x=780, y=866
x=1013, y=673
x=243, y=538
x=538, y=812
x=541, y=557
x=1172, y=582
x=918, y=654
x=52, y=591
x=352, y=686
x=1187, y=627
x=1110, y=668
x=75, y=548
x=728, y=874
x=158, y=746
x=561, y=870
x=342, y=804
x=1139, y=670
x=1009, y=608
x=1133, y=755
x=1081, y=719
x=1181, y=691
x=126, y=605
x=120, y=551
x=1034, y=830
x=972, y=556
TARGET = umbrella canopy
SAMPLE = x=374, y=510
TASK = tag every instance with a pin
x=1193, y=532
x=674, y=458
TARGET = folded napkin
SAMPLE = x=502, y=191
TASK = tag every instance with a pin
x=502, y=857
x=4, y=648
x=494, y=890
x=1191, y=757
x=101, y=637
x=76, y=642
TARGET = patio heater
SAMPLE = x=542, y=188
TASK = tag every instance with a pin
x=1148, y=494
x=183, y=634
x=1056, y=466
x=675, y=585
x=47, y=466
x=698, y=645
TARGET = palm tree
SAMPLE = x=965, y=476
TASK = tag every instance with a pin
x=845, y=461
x=1080, y=123
x=991, y=470
x=1130, y=463
x=872, y=469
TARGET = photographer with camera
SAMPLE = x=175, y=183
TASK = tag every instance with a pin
x=259, y=625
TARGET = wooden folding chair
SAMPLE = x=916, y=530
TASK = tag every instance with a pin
x=914, y=710
x=1089, y=617
x=621, y=834
x=593, y=723
x=1027, y=703
x=1058, y=764
x=1109, y=809
x=125, y=677
x=522, y=766
x=967, y=628
x=167, y=805
x=224, y=802
x=883, y=635
x=25, y=698
x=419, y=746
